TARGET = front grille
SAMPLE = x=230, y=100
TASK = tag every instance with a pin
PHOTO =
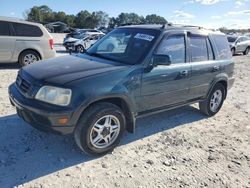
x=22, y=84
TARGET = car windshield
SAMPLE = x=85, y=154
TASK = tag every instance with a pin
x=125, y=45
x=231, y=38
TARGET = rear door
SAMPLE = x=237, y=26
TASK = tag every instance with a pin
x=240, y=45
x=166, y=85
x=7, y=42
x=204, y=68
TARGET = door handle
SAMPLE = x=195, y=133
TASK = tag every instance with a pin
x=216, y=68
x=184, y=73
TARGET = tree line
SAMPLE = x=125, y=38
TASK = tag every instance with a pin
x=226, y=30
x=85, y=19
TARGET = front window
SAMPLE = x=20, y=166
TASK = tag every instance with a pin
x=231, y=39
x=174, y=46
x=125, y=45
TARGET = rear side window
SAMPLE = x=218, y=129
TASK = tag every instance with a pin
x=199, y=51
x=4, y=29
x=173, y=46
x=26, y=30
x=223, y=47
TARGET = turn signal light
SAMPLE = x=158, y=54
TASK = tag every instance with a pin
x=63, y=120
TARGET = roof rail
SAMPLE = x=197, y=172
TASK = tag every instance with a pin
x=127, y=24
x=181, y=25
x=199, y=27
x=167, y=24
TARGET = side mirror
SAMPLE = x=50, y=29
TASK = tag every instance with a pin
x=162, y=59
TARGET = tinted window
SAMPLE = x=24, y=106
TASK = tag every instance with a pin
x=199, y=50
x=240, y=40
x=223, y=47
x=125, y=45
x=26, y=30
x=4, y=29
x=173, y=46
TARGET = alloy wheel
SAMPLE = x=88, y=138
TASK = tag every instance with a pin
x=29, y=59
x=105, y=131
x=216, y=100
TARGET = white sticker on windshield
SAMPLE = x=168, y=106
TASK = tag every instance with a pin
x=144, y=37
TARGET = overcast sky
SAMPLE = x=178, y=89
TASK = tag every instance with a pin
x=208, y=13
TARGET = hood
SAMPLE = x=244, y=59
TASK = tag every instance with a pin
x=70, y=40
x=69, y=68
x=231, y=43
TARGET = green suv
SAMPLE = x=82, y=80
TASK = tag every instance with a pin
x=99, y=94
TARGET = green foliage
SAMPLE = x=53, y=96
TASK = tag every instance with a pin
x=132, y=18
x=226, y=30
x=85, y=19
x=41, y=14
x=125, y=18
x=155, y=19
x=102, y=17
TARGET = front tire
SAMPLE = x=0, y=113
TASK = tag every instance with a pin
x=214, y=102
x=80, y=49
x=100, y=128
x=246, y=51
x=28, y=57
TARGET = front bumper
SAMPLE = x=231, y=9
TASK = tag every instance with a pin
x=69, y=46
x=41, y=116
x=47, y=54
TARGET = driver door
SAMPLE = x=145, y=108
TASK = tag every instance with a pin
x=165, y=85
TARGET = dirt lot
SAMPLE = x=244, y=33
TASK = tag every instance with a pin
x=178, y=148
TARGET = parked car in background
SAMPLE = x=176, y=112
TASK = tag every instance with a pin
x=80, y=45
x=239, y=44
x=247, y=35
x=99, y=94
x=24, y=42
x=78, y=33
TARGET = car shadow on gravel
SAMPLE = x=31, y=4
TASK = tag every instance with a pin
x=156, y=123
x=9, y=66
x=27, y=154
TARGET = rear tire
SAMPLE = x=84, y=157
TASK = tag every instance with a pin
x=214, y=102
x=28, y=57
x=233, y=51
x=246, y=51
x=94, y=135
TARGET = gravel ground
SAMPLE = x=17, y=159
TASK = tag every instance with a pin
x=178, y=148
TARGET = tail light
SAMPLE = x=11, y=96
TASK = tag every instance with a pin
x=51, y=44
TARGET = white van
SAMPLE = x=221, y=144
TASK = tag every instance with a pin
x=24, y=42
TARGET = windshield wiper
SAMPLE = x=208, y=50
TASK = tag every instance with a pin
x=102, y=56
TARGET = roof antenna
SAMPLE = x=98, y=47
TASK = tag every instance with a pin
x=168, y=24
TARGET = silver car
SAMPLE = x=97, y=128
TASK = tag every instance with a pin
x=24, y=42
x=239, y=44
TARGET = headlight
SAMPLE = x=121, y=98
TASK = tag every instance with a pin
x=54, y=95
